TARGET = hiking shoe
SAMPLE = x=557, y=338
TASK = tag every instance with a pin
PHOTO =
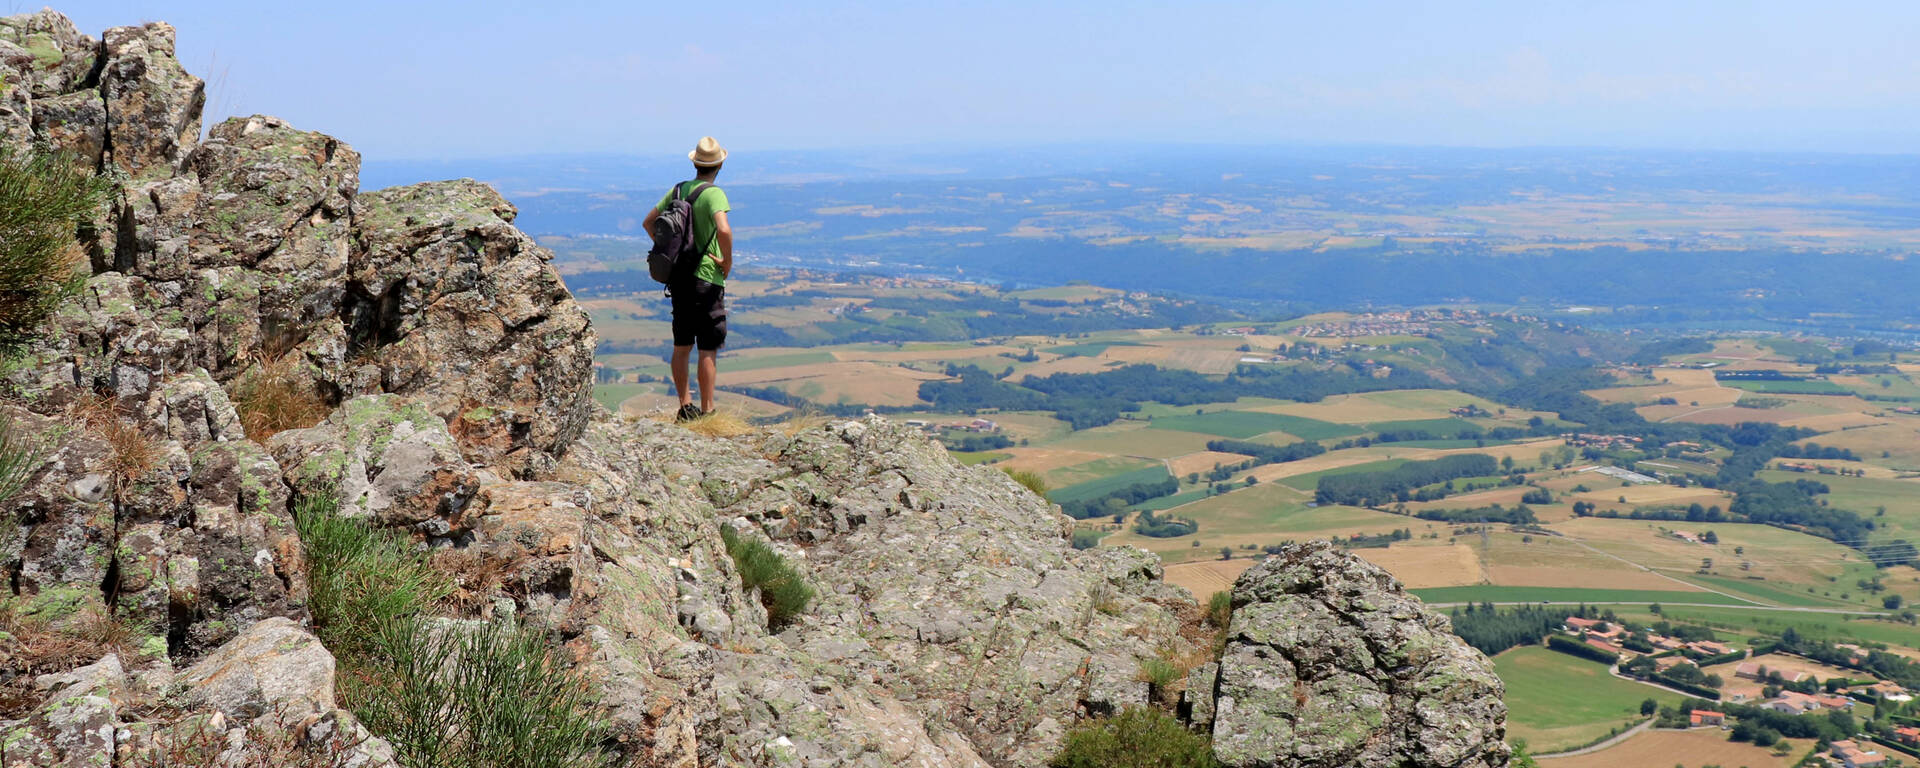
x=687, y=413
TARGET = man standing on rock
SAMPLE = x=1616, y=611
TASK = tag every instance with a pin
x=699, y=305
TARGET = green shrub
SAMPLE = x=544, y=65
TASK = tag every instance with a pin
x=1220, y=609
x=43, y=198
x=782, y=591
x=1032, y=480
x=1137, y=738
x=1084, y=538
x=495, y=695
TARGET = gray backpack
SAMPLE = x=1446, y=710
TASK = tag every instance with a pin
x=675, y=256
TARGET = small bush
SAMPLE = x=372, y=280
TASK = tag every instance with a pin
x=1137, y=738
x=43, y=199
x=1031, y=480
x=782, y=591
x=1220, y=609
x=275, y=396
x=1162, y=675
x=1084, y=538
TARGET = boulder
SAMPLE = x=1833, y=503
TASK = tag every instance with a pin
x=275, y=667
x=1329, y=662
x=387, y=458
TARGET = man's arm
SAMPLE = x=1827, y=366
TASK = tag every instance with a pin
x=725, y=235
x=646, y=225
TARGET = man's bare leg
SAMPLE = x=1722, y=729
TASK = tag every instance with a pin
x=709, y=371
x=680, y=355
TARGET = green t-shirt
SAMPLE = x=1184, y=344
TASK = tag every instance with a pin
x=712, y=201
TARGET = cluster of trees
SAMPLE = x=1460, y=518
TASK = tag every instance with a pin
x=1570, y=646
x=971, y=441
x=1491, y=630
x=1881, y=664
x=1368, y=489
x=1262, y=454
x=1494, y=513
x=1376, y=540
x=1117, y=501
x=1088, y=400
x=1813, y=450
x=1685, y=677
x=1150, y=524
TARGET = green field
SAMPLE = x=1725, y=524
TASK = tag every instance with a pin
x=1447, y=426
x=1566, y=595
x=1089, y=349
x=971, y=458
x=611, y=395
x=1108, y=484
x=1556, y=701
x=1769, y=592
x=1808, y=387
x=1241, y=425
x=1169, y=502
x=1820, y=626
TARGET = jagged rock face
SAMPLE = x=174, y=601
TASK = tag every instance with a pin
x=1330, y=663
x=953, y=624
x=466, y=314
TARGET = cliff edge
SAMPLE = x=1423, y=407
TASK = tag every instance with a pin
x=433, y=378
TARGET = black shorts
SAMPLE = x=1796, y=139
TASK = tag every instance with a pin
x=700, y=315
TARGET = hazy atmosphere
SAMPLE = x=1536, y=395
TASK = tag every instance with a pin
x=410, y=80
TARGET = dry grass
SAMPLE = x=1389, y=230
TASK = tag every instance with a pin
x=1422, y=566
x=475, y=577
x=721, y=422
x=1205, y=577
x=130, y=452
x=277, y=395
x=36, y=647
x=801, y=421
x=1658, y=748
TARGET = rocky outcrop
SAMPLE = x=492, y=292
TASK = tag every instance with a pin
x=953, y=625
x=1330, y=663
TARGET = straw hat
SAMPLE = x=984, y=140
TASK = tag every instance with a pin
x=708, y=153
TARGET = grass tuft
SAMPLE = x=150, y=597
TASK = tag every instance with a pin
x=720, y=422
x=801, y=420
x=761, y=568
x=274, y=396
x=1220, y=609
x=1032, y=481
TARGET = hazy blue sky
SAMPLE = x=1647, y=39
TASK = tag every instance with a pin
x=401, y=79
